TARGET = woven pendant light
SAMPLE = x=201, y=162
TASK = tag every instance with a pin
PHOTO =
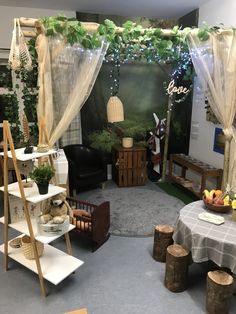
x=115, y=110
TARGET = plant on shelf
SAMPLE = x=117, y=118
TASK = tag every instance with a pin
x=41, y=175
x=104, y=140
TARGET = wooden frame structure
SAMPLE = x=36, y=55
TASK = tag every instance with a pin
x=92, y=27
x=8, y=142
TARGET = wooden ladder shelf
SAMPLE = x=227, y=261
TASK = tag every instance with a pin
x=73, y=262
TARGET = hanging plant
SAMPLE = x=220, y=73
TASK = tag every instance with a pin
x=30, y=92
x=12, y=115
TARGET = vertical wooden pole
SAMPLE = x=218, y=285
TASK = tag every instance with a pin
x=167, y=134
x=5, y=178
x=226, y=164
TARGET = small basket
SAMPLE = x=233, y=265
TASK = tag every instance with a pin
x=218, y=208
x=42, y=148
x=27, y=247
x=51, y=229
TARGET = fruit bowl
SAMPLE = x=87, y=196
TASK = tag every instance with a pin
x=217, y=208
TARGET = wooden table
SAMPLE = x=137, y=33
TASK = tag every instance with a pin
x=205, y=171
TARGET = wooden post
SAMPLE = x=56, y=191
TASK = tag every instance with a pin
x=176, y=274
x=167, y=134
x=226, y=164
x=162, y=239
x=6, y=208
x=219, y=292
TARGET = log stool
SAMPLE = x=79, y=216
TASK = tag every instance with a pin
x=162, y=239
x=219, y=292
x=176, y=274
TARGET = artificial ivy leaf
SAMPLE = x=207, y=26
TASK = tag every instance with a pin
x=175, y=29
x=110, y=25
x=96, y=43
x=102, y=29
x=61, y=18
x=157, y=32
x=203, y=35
x=128, y=25
x=59, y=28
x=50, y=31
x=86, y=42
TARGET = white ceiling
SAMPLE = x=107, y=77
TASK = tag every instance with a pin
x=171, y=9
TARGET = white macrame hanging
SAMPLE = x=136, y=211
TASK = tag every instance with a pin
x=19, y=56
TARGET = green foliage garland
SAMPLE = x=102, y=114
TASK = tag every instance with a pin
x=134, y=42
x=29, y=97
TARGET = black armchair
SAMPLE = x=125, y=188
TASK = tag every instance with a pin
x=87, y=167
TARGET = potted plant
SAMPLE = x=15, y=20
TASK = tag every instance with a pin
x=41, y=176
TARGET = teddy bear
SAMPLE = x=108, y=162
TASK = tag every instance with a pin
x=56, y=210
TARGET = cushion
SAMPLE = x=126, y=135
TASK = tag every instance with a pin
x=81, y=212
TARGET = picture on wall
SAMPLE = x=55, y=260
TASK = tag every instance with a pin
x=219, y=141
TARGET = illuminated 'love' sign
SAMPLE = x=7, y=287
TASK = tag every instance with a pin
x=171, y=89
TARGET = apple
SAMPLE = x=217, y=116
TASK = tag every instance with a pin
x=209, y=199
x=218, y=201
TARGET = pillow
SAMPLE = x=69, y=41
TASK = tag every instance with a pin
x=81, y=212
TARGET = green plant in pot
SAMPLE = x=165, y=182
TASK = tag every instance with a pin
x=42, y=176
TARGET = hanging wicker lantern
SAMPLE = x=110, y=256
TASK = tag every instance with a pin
x=115, y=110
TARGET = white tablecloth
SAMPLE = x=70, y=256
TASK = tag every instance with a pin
x=205, y=240
x=61, y=167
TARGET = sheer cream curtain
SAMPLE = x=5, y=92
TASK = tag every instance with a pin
x=66, y=77
x=215, y=64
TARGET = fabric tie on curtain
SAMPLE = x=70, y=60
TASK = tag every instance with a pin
x=72, y=71
x=214, y=61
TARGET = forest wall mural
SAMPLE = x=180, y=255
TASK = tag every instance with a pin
x=142, y=90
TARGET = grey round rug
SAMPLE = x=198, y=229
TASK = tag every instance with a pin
x=135, y=211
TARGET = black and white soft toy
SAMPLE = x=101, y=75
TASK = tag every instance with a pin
x=56, y=210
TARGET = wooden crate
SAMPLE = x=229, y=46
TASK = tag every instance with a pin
x=129, y=166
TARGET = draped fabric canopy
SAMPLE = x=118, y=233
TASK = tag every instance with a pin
x=214, y=61
x=66, y=77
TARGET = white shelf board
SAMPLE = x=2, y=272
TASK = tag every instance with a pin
x=23, y=157
x=55, y=264
x=32, y=195
x=22, y=227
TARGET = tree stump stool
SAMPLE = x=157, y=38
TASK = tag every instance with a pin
x=162, y=239
x=176, y=274
x=219, y=292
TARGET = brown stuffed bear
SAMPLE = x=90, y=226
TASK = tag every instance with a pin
x=56, y=210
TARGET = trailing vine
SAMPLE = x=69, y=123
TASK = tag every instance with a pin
x=30, y=92
x=11, y=114
x=29, y=98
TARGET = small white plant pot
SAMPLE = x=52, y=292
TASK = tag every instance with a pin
x=127, y=142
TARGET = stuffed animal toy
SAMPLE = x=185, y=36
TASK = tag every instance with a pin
x=56, y=210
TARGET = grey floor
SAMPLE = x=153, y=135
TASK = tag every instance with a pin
x=121, y=278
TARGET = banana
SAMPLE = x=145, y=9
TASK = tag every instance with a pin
x=212, y=192
x=205, y=193
x=234, y=204
x=227, y=200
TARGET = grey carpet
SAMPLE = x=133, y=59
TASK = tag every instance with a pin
x=135, y=211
